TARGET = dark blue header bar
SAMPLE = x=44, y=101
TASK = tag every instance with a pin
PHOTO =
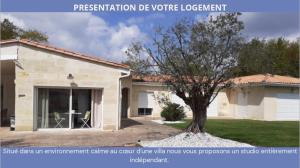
x=231, y=5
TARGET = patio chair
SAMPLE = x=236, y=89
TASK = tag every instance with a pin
x=58, y=120
x=86, y=119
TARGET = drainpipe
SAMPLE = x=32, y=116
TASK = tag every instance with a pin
x=119, y=99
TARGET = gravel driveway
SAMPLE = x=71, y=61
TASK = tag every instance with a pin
x=132, y=131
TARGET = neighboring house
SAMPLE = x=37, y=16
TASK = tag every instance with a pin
x=47, y=87
x=262, y=97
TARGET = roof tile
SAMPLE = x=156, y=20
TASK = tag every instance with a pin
x=65, y=52
x=265, y=79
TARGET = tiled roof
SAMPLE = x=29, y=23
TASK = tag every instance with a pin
x=65, y=52
x=267, y=79
x=260, y=79
x=149, y=78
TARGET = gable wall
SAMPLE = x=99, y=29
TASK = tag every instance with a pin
x=37, y=67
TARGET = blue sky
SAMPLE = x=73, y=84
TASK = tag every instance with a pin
x=108, y=35
x=147, y=22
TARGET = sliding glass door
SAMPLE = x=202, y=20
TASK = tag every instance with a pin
x=65, y=108
x=53, y=108
x=81, y=108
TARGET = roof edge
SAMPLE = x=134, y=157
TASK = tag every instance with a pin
x=65, y=52
x=267, y=84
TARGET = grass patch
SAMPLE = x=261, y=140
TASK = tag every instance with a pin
x=257, y=133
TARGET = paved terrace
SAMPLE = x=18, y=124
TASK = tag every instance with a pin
x=132, y=131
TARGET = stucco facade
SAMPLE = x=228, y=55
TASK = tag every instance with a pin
x=258, y=102
x=245, y=103
x=37, y=68
x=222, y=99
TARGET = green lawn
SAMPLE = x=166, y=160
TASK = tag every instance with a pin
x=258, y=133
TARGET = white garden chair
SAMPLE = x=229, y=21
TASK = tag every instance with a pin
x=58, y=120
x=86, y=119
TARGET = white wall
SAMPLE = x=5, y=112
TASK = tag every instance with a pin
x=38, y=67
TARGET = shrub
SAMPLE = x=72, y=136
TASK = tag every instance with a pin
x=172, y=112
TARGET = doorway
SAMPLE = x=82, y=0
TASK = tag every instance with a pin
x=68, y=108
x=7, y=92
x=124, y=107
x=81, y=108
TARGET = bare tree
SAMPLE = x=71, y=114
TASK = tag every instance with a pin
x=196, y=59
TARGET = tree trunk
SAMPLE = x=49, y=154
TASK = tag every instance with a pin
x=199, y=119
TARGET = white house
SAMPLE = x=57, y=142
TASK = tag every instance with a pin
x=46, y=87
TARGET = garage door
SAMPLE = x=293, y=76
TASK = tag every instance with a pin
x=211, y=110
x=287, y=106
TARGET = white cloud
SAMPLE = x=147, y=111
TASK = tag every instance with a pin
x=16, y=21
x=271, y=25
x=265, y=25
x=135, y=20
x=82, y=32
x=201, y=17
x=148, y=18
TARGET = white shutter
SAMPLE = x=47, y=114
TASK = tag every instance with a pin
x=146, y=100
